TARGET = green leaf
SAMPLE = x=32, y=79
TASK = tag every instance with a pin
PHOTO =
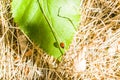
x=48, y=22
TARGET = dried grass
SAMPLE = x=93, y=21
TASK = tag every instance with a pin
x=93, y=55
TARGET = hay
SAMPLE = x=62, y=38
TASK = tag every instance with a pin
x=93, y=55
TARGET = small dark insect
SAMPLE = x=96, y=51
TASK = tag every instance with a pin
x=62, y=45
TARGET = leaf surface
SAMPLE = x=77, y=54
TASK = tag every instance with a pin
x=48, y=22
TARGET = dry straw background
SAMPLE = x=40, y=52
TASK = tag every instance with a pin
x=93, y=55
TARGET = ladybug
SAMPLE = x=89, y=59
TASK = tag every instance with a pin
x=62, y=45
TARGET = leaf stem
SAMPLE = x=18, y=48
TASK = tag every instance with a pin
x=50, y=26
